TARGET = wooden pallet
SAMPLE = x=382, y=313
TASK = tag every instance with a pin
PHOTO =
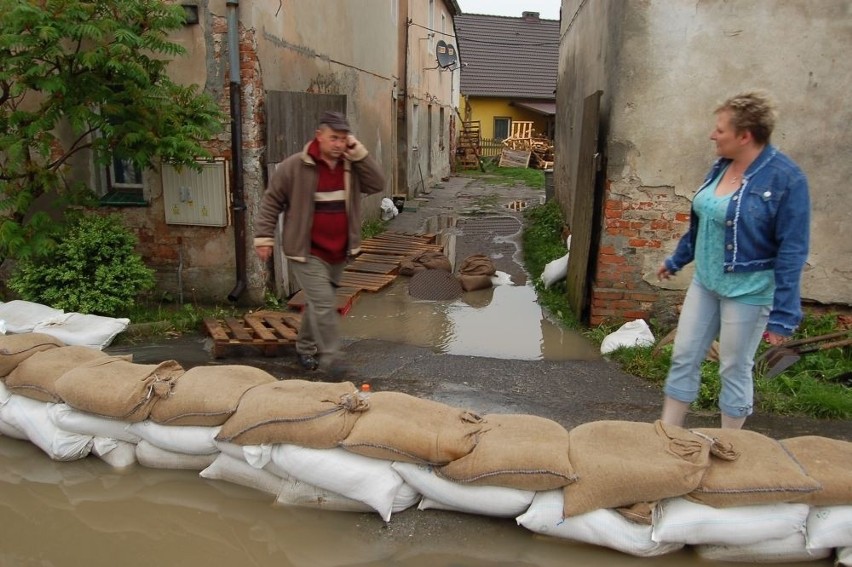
x=345, y=299
x=267, y=330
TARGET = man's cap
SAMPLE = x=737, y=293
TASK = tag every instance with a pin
x=335, y=120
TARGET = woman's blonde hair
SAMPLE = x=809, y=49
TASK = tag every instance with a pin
x=754, y=111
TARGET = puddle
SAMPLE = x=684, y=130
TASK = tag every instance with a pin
x=504, y=322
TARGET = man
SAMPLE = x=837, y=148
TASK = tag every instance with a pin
x=319, y=190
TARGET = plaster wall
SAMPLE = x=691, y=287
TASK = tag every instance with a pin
x=663, y=66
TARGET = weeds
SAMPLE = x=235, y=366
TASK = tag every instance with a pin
x=816, y=385
x=495, y=175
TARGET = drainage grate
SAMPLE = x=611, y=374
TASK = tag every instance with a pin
x=434, y=284
x=485, y=226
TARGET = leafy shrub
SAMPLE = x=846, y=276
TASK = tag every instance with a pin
x=94, y=269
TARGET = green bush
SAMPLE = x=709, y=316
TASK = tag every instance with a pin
x=94, y=269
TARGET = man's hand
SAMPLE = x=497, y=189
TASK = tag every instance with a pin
x=355, y=150
x=263, y=252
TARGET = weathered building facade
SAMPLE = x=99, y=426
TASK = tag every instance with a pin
x=274, y=66
x=638, y=83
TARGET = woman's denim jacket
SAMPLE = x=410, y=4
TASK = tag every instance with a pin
x=767, y=227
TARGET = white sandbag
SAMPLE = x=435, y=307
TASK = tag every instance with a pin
x=442, y=494
x=2, y=327
x=555, y=271
x=677, y=520
x=149, y=455
x=23, y=316
x=829, y=526
x=786, y=550
x=635, y=333
x=501, y=278
x=81, y=329
x=31, y=417
x=365, y=479
x=237, y=471
x=67, y=418
x=604, y=527
x=294, y=492
x=187, y=439
x=844, y=556
x=4, y=393
x=115, y=453
x=389, y=210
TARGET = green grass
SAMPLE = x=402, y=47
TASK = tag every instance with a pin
x=812, y=386
x=509, y=175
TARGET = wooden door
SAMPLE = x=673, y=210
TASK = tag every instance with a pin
x=585, y=216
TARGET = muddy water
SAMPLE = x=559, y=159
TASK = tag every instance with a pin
x=504, y=321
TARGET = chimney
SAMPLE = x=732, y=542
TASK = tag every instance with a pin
x=530, y=16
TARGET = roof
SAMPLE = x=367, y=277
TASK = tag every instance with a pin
x=508, y=57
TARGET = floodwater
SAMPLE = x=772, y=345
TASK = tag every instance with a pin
x=504, y=321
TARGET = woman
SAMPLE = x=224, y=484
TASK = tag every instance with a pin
x=748, y=235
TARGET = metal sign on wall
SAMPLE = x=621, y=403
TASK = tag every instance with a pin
x=197, y=197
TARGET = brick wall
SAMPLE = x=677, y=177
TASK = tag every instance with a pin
x=637, y=229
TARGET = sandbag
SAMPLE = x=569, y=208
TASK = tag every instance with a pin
x=599, y=527
x=829, y=526
x=620, y=463
x=67, y=418
x=371, y=481
x=117, y=454
x=22, y=316
x=829, y=462
x=477, y=265
x=207, y=395
x=678, y=520
x=764, y=472
x=400, y=427
x=116, y=388
x=154, y=457
x=474, y=282
x=442, y=494
x=230, y=469
x=14, y=349
x=36, y=376
x=430, y=260
x=187, y=439
x=790, y=549
x=84, y=329
x=526, y=452
x=311, y=414
x=31, y=417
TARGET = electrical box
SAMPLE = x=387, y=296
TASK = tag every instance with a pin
x=197, y=197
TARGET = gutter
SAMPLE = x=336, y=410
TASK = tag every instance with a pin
x=238, y=205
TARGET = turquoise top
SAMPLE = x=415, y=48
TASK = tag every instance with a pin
x=753, y=288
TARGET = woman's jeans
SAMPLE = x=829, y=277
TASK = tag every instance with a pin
x=739, y=326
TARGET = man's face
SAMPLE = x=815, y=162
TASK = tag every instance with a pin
x=332, y=143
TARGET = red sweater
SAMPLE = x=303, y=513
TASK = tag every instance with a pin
x=330, y=227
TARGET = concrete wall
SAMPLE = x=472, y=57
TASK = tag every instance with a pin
x=663, y=66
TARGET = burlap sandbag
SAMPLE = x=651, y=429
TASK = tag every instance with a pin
x=400, y=427
x=36, y=376
x=622, y=463
x=317, y=415
x=117, y=388
x=526, y=452
x=431, y=260
x=764, y=472
x=829, y=462
x=474, y=283
x=208, y=395
x=477, y=265
x=14, y=349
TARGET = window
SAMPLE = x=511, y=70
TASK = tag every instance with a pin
x=124, y=184
x=502, y=126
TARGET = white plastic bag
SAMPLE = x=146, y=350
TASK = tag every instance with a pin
x=631, y=334
x=556, y=270
x=389, y=210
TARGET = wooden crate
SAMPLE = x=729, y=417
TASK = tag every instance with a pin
x=266, y=330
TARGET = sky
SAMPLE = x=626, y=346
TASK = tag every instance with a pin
x=547, y=9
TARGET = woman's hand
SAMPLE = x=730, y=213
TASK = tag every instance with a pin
x=774, y=339
x=663, y=273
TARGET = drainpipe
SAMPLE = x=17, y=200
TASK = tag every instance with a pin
x=238, y=206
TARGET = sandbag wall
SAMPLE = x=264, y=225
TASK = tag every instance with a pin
x=645, y=489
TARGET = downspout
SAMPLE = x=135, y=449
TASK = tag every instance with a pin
x=238, y=205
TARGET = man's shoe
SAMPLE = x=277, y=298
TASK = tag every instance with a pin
x=308, y=361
